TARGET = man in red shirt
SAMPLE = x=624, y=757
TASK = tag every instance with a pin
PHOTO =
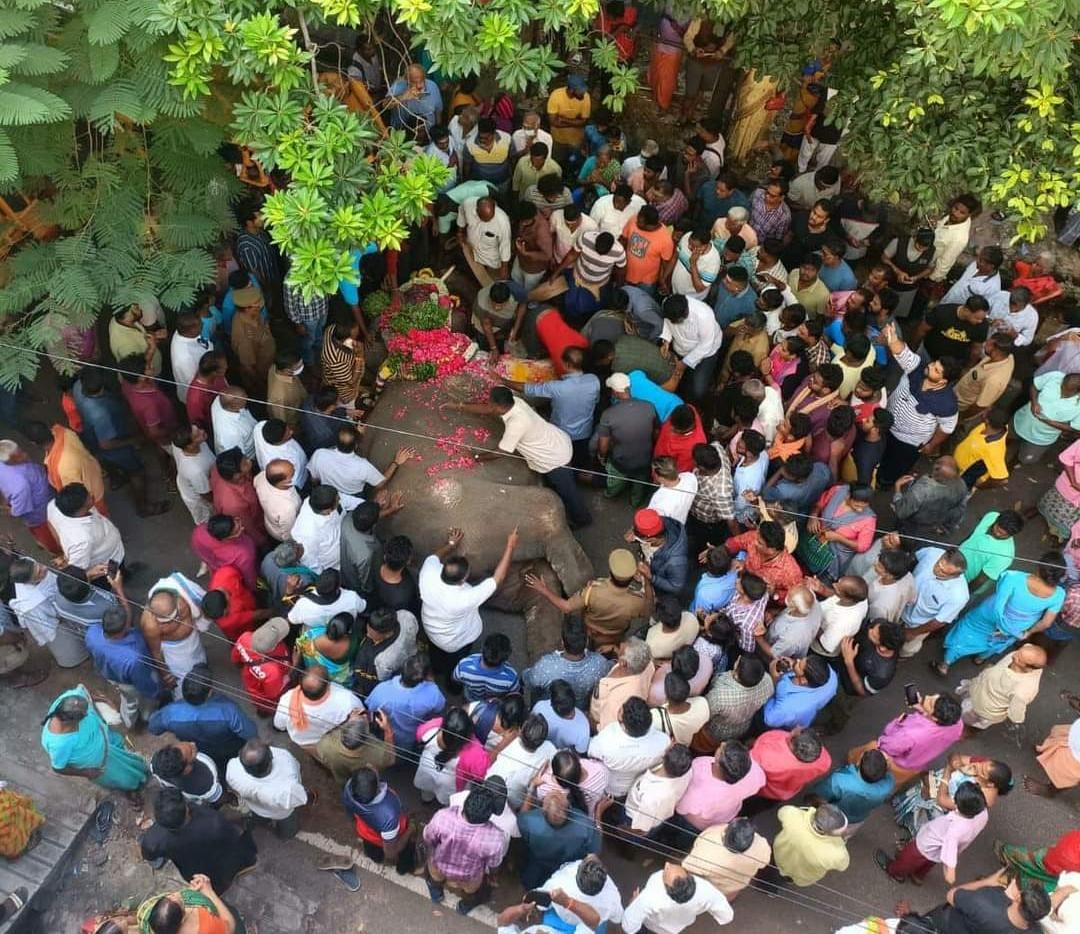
x=204, y=388
x=766, y=557
x=230, y=604
x=678, y=437
x=790, y=761
x=264, y=664
x=222, y=541
x=154, y=413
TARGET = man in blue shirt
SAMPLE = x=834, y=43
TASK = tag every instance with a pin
x=408, y=700
x=798, y=483
x=716, y=198
x=573, y=396
x=574, y=664
x=856, y=789
x=716, y=588
x=486, y=674
x=122, y=657
x=377, y=812
x=414, y=101
x=803, y=687
x=734, y=298
x=216, y=725
x=554, y=833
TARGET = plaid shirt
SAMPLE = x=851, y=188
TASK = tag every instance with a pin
x=732, y=706
x=766, y=223
x=301, y=311
x=746, y=617
x=461, y=851
x=820, y=353
x=715, y=494
x=673, y=209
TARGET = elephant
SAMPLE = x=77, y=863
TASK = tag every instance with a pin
x=446, y=488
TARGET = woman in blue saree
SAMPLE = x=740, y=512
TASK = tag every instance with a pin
x=1022, y=604
x=79, y=742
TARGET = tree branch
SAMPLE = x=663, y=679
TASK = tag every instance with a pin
x=311, y=47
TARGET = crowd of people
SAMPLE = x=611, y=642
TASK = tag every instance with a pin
x=760, y=383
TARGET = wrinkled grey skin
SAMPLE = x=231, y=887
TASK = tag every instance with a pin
x=485, y=501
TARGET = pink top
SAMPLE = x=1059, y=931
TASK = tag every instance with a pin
x=472, y=762
x=238, y=552
x=1070, y=457
x=780, y=369
x=913, y=740
x=709, y=800
x=943, y=839
x=861, y=531
x=593, y=784
x=698, y=683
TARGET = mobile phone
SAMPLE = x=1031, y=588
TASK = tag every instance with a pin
x=538, y=897
x=910, y=694
x=113, y=567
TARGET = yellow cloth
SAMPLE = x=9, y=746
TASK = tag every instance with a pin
x=801, y=853
x=729, y=872
x=1000, y=693
x=562, y=104
x=525, y=174
x=285, y=394
x=982, y=385
x=975, y=447
x=814, y=298
x=851, y=373
x=127, y=341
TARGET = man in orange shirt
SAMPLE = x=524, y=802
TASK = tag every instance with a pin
x=766, y=557
x=649, y=249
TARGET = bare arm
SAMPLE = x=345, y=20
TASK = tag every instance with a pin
x=453, y=542
x=503, y=567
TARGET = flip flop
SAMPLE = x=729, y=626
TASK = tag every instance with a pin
x=103, y=818
x=348, y=878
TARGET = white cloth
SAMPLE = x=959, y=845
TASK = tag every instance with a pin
x=347, y=473
x=675, y=501
x=770, y=413
x=887, y=601
x=625, y=757
x=564, y=239
x=458, y=139
x=320, y=535
x=1024, y=322
x=323, y=715
x=185, y=354
x=695, y=338
x=279, y=507
x=709, y=265
x=505, y=820
x=654, y=908
x=607, y=902
x=451, y=612
x=310, y=611
x=544, y=446
x=652, y=798
x=86, y=540
x=33, y=606
x=837, y=623
x=490, y=240
x=232, y=429
x=289, y=451
x=610, y=218
x=1066, y=920
x=517, y=766
x=950, y=240
x=193, y=480
x=429, y=778
x=274, y=796
x=971, y=283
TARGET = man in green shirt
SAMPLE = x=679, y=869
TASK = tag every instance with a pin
x=990, y=548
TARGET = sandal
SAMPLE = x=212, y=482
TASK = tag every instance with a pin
x=348, y=878
x=103, y=818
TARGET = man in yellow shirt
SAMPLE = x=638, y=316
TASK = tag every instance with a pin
x=568, y=110
x=980, y=456
x=809, y=844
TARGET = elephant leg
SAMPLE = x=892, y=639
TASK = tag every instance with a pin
x=542, y=621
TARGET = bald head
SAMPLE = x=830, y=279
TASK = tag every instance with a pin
x=165, y=605
x=946, y=468
x=314, y=684
x=256, y=758
x=556, y=808
x=279, y=473
x=852, y=587
x=1029, y=658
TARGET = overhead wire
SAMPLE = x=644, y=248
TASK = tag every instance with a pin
x=654, y=847
x=364, y=426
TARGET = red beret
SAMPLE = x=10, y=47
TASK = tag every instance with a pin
x=647, y=522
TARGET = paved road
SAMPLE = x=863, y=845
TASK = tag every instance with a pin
x=288, y=887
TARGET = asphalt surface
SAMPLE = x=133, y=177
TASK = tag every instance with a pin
x=288, y=891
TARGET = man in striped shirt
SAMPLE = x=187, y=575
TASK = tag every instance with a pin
x=486, y=674
x=595, y=256
x=257, y=255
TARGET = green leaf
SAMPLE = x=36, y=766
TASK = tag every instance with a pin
x=108, y=22
x=9, y=162
x=23, y=105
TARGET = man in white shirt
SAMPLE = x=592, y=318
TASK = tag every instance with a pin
x=691, y=331
x=675, y=492
x=278, y=498
x=518, y=763
x=34, y=603
x=313, y=708
x=672, y=900
x=318, y=528
x=328, y=600
x=185, y=351
x=266, y=779
x=450, y=606
x=611, y=212
x=274, y=440
x=770, y=406
x=85, y=535
x=586, y=881
x=629, y=746
x=697, y=264
x=546, y=449
x=530, y=132
x=632, y=163
x=347, y=471
x=462, y=129
x=233, y=424
x=842, y=615
x=1012, y=313
x=567, y=225
x=980, y=277
x=483, y=231
x=194, y=460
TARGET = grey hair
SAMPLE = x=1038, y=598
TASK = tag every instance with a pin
x=287, y=554
x=829, y=820
x=754, y=389
x=7, y=449
x=739, y=214
x=636, y=655
x=801, y=599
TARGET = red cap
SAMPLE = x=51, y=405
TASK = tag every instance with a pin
x=647, y=522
